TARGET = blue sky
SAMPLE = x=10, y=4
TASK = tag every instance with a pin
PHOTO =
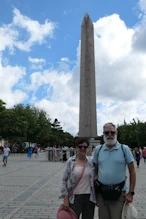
x=39, y=57
x=68, y=16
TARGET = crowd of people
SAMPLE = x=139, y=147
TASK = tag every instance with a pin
x=6, y=152
x=31, y=150
x=138, y=154
x=60, y=153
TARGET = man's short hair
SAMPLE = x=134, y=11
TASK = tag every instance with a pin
x=81, y=140
x=109, y=124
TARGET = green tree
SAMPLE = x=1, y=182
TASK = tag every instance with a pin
x=2, y=105
x=43, y=128
x=132, y=134
x=25, y=123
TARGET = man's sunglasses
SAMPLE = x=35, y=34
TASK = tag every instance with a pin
x=107, y=133
x=80, y=147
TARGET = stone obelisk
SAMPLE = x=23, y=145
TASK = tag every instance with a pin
x=87, y=114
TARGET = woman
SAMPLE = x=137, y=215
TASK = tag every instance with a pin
x=82, y=199
x=137, y=156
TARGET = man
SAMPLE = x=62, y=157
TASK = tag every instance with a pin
x=110, y=161
x=6, y=152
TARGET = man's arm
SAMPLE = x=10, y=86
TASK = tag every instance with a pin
x=132, y=175
x=96, y=189
x=96, y=170
x=95, y=161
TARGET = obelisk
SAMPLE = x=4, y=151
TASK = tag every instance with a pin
x=87, y=113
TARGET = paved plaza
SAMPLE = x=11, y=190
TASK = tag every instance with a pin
x=29, y=188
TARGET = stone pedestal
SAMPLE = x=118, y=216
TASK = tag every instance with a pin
x=93, y=143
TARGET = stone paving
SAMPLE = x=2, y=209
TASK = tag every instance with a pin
x=29, y=188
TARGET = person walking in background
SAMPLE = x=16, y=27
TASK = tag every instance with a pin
x=71, y=152
x=111, y=160
x=60, y=155
x=144, y=154
x=64, y=154
x=78, y=182
x=6, y=152
x=29, y=153
x=137, y=156
x=36, y=151
x=54, y=153
x=67, y=153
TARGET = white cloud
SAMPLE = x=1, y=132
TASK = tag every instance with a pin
x=57, y=80
x=10, y=76
x=140, y=30
x=8, y=37
x=117, y=65
x=34, y=32
x=21, y=33
x=67, y=12
x=68, y=116
x=142, y=5
x=120, y=78
x=65, y=59
x=36, y=60
x=36, y=67
x=36, y=64
x=37, y=32
x=62, y=96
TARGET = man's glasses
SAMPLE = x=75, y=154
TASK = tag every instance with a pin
x=82, y=146
x=107, y=133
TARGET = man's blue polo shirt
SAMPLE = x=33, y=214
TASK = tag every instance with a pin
x=112, y=163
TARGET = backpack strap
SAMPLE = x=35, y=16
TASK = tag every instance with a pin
x=99, y=151
x=123, y=152
x=124, y=157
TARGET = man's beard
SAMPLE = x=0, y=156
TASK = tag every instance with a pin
x=109, y=142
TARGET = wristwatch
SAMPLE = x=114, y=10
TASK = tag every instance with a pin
x=132, y=193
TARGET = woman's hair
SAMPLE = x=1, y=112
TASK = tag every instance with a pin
x=81, y=140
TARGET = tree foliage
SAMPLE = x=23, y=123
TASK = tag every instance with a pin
x=133, y=134
x=30, y=124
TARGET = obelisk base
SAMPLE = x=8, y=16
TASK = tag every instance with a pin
x=93, y=143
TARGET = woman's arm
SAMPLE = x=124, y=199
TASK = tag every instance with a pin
x=64, y=189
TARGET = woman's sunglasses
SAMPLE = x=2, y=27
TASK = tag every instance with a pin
x=82, y=146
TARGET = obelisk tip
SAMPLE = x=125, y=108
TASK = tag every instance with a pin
x=86, y=19
x=86, y=16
